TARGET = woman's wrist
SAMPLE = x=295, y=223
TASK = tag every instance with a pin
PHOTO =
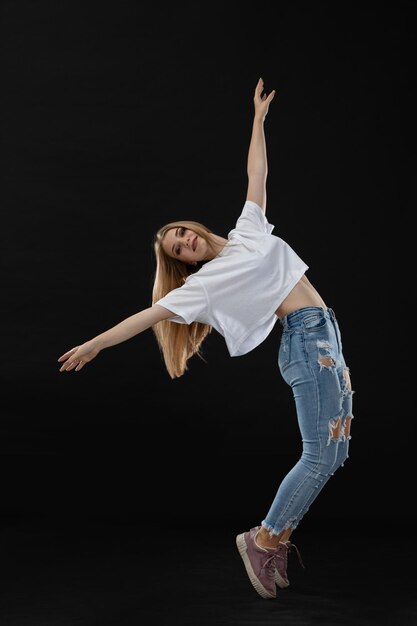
x=98, y=343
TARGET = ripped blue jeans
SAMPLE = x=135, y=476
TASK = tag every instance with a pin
x=311, y=361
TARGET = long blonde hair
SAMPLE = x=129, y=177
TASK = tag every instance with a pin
x=177, y=342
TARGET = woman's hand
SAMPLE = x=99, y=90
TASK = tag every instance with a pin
x=261, y=101
x=77, y=357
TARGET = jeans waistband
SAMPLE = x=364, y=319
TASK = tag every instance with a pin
x=295, y=318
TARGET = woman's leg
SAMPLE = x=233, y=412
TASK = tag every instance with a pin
x=312, y=363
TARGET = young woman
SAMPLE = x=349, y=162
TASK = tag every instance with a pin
x=241, y=286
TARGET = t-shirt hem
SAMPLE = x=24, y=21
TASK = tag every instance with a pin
x=181, y=319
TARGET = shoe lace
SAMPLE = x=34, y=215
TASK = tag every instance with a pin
x=282, y=552
x=269, y=565
x=291, y=545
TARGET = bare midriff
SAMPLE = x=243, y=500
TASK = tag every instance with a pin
x=302, y=295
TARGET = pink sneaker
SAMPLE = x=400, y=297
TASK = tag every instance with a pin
x=259, y=563
x=281, y=563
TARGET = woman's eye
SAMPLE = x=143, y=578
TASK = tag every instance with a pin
x=182, y=231
x=177, y=250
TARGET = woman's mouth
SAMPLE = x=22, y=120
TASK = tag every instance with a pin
x=194, y=244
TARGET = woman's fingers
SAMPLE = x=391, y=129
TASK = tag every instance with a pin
x=259, y=87
x=71, y=364
x=67, y=366
x=77, y=357
x=271, y=95
x=65, y=356
x=70, y=360
x=263, y=97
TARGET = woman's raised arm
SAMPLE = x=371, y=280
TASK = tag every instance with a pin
x=257, y=164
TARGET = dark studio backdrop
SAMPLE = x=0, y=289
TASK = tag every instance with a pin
x=118, y=117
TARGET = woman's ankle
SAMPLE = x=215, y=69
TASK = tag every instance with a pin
x=264, y=539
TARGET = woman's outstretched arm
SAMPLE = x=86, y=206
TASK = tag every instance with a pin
x=257, y=164
x=77, y=357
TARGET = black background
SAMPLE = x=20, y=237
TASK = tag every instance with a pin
x=119, y=117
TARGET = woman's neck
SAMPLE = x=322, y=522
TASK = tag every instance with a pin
x=217, y=245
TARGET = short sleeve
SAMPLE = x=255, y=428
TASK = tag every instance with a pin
x=252, y=219
x=188, y=302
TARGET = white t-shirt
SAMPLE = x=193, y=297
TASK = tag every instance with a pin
x=238, y=292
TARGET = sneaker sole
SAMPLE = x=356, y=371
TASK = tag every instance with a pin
x=243, y=551
x=280, y=581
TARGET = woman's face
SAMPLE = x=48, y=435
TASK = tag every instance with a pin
x=185, y=245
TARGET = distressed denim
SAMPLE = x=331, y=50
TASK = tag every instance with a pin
x=311, y=361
